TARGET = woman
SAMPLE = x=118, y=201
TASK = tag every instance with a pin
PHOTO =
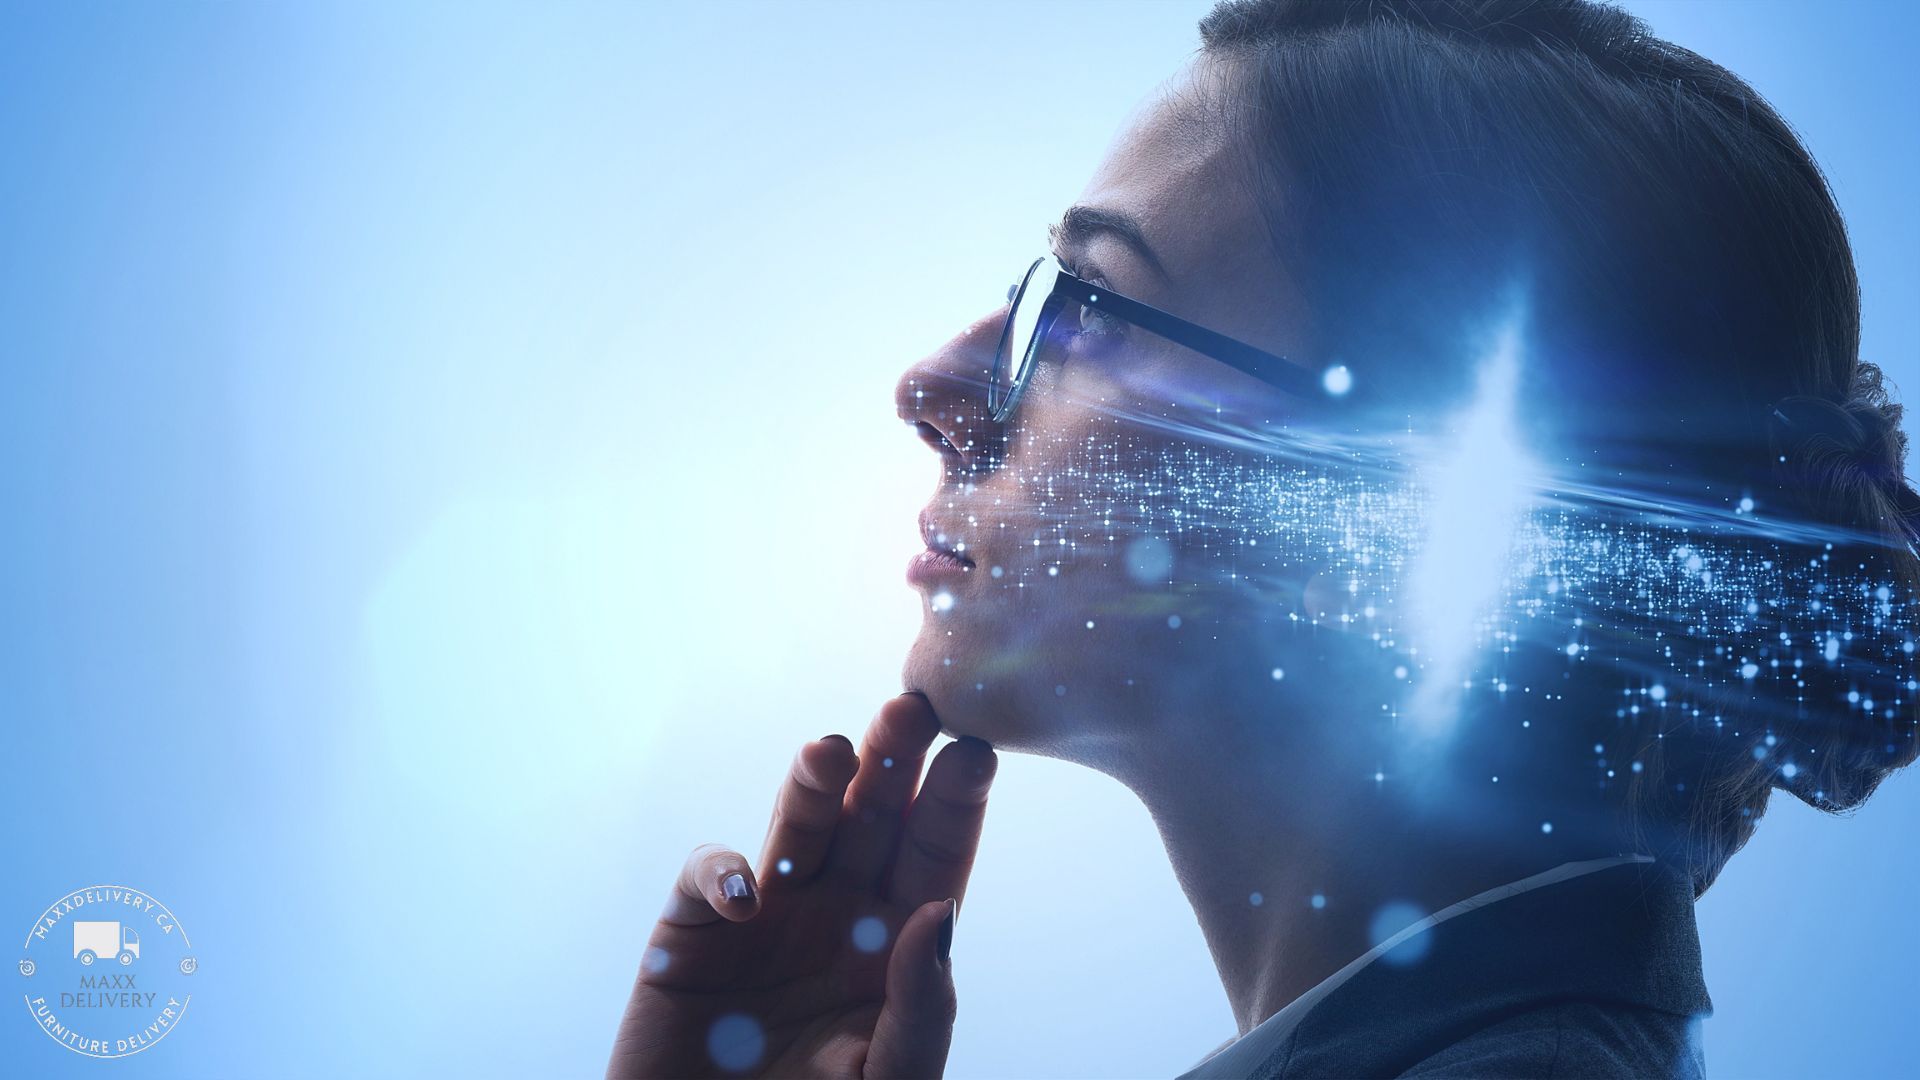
x=1432, y=469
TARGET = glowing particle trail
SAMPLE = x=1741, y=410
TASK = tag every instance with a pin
x=1463, y=565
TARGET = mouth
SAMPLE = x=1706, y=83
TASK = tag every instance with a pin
x=942, y=557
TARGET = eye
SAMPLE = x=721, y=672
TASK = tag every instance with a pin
x=1095, y=321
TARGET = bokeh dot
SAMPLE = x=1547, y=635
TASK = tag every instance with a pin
x=736, y=1042
x=869, y=934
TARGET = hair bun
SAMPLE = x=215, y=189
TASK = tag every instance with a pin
x=1828, y=446
x=1866, y=431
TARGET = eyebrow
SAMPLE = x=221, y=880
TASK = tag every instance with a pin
x=1080, y=224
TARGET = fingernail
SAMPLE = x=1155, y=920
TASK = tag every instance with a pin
x=735, y=887
x=946, y=931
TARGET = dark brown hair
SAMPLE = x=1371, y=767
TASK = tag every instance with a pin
x=1687, y=268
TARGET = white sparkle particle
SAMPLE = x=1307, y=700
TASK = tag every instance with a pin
x=1337, y=380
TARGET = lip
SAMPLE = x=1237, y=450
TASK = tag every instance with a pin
x=933, y=565
x=938, y=560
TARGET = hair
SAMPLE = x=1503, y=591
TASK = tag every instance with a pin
x=1685, y=264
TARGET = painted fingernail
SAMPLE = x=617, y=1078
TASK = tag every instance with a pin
x=735, y=887
x=946, y=931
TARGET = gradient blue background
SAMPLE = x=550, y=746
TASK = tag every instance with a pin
x=448, y=466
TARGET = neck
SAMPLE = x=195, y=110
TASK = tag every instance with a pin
x=1240, y=823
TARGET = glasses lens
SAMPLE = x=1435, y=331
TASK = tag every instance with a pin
x=1013, y=362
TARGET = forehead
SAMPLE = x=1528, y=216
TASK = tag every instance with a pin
x=1174, y=168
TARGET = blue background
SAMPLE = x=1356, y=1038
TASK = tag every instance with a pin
x=416, y=538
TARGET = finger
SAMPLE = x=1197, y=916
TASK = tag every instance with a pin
x=943, y=825
x=807, y=810
x=915, y=1028
x=891, y=754
x=715, y=883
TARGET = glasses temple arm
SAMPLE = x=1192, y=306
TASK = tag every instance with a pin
x=1268, y=367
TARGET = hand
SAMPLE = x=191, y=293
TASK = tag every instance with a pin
x=832, y=958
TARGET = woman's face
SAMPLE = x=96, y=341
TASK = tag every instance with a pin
x=1099, y=589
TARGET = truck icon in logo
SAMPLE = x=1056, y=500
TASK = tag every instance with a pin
x=93, y=940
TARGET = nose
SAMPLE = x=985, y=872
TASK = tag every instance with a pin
x=944, y=397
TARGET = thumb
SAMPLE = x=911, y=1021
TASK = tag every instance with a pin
x=915, y=1028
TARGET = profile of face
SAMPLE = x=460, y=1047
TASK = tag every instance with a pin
x=1153, y=559
x=1094, y=579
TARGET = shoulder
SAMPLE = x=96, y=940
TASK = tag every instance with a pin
x=1574, y=1039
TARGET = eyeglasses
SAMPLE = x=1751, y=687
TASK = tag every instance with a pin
x=1046, y=288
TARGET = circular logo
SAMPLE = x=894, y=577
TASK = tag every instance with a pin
x=106, y=971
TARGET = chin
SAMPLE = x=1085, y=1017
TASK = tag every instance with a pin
x=966, y=701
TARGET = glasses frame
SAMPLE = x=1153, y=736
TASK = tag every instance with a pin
x=1272, y=368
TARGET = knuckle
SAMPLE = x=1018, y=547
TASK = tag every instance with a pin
x=710, y=855
x=936, y=851
x=965, y=802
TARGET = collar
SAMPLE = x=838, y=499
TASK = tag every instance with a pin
x=1617, y=929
